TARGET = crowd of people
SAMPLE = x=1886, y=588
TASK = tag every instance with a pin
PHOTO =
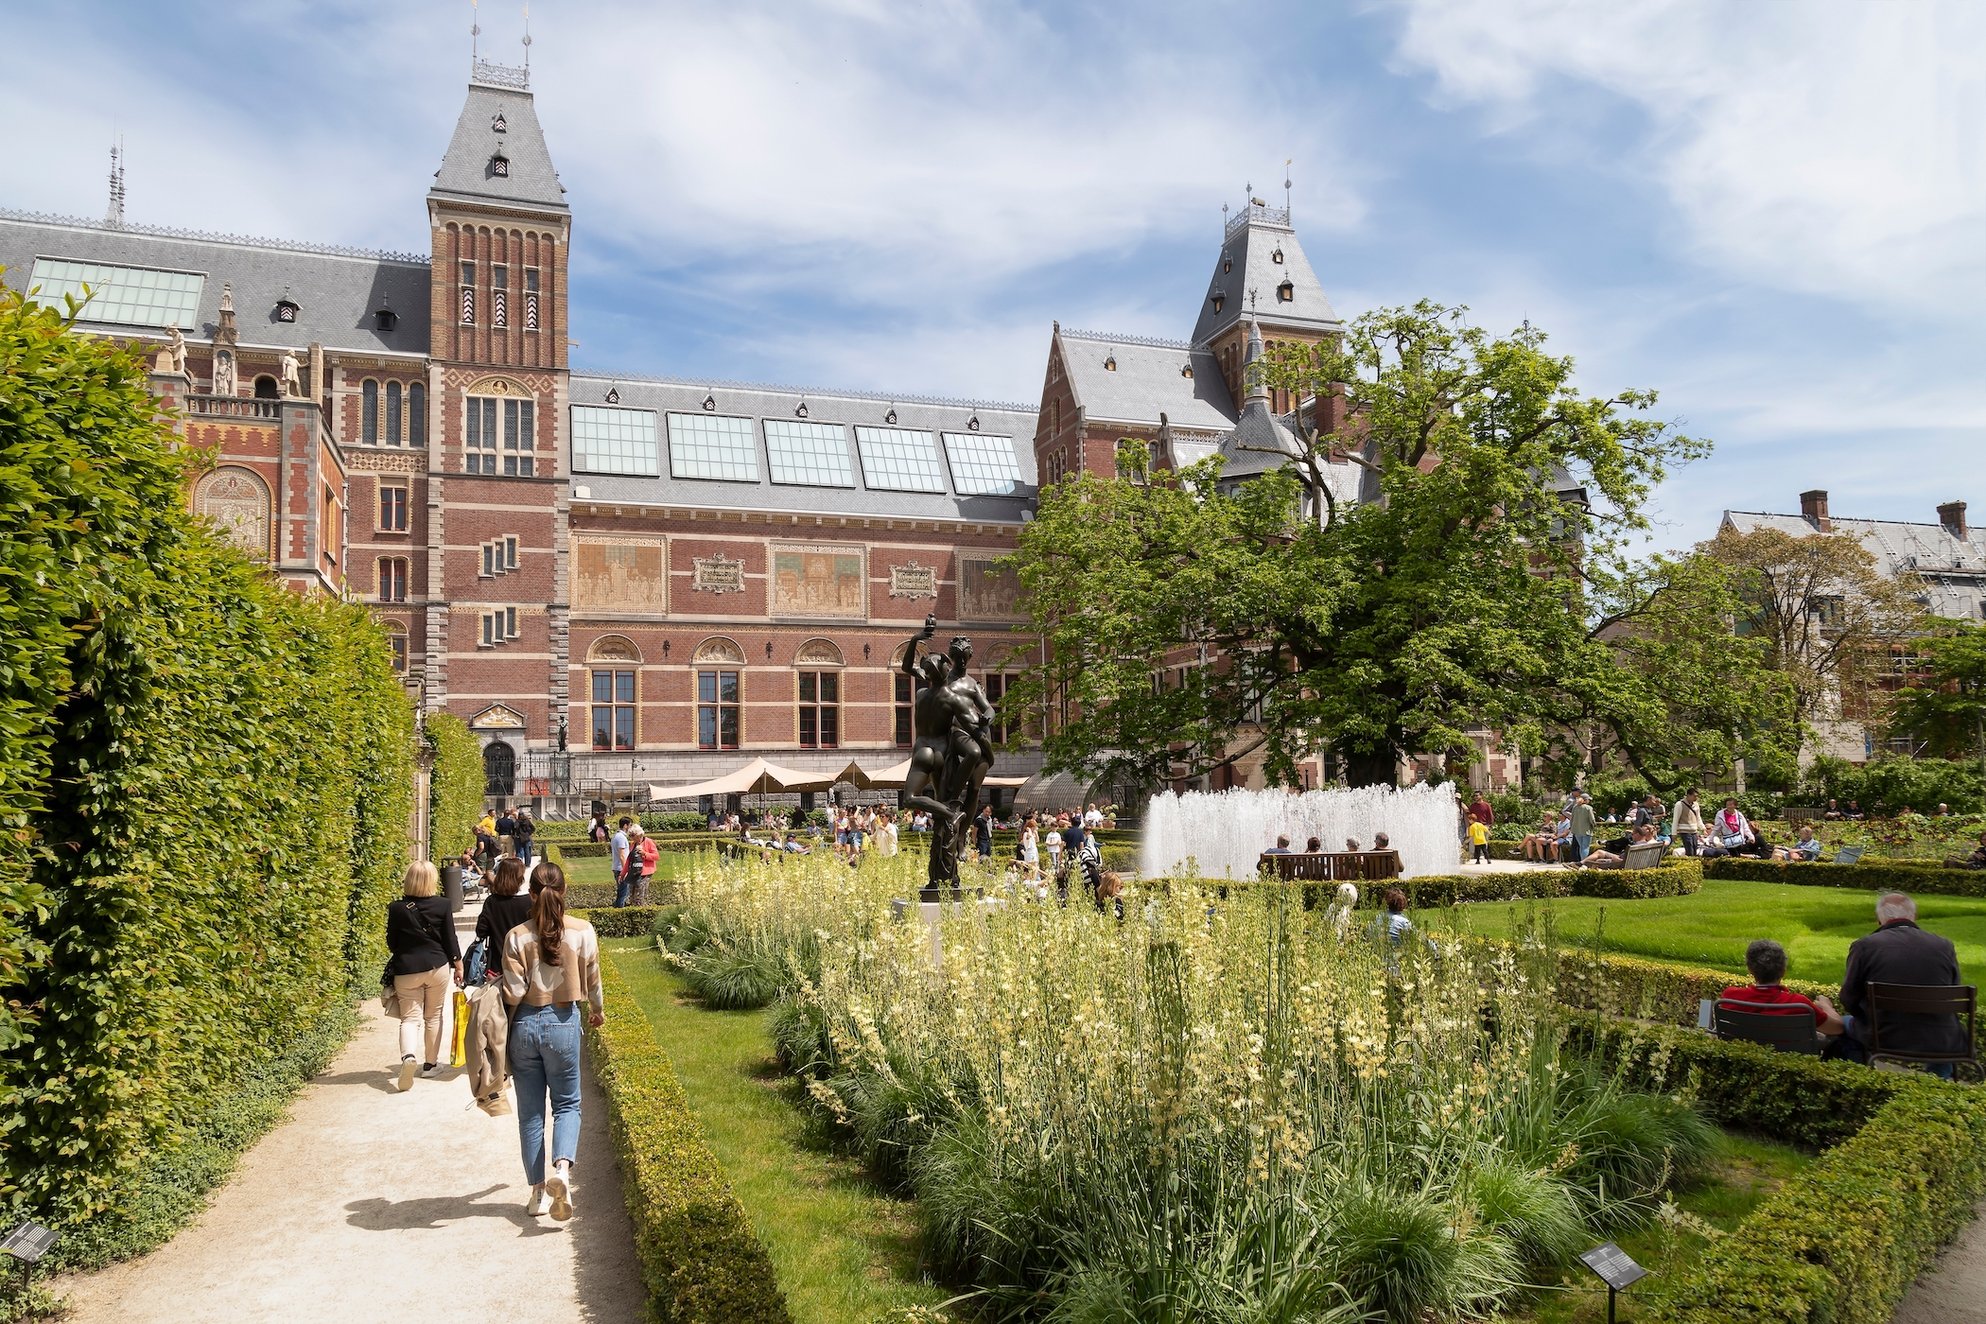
x=1573, y=833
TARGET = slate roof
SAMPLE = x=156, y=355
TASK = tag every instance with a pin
x=1249, y=249
x=848, y=408
x=465, y=173
x=1951, y=570
x=1146, y=382
x=336, y=290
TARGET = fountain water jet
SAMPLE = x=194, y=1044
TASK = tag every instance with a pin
x=1225, y=832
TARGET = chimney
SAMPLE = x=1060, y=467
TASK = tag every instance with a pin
x=1813, y=508
x=1952, y=516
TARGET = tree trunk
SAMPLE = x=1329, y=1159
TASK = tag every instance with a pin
x=1375, y=766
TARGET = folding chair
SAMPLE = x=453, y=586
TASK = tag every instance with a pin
x=1957, y=1000
x=1782, y=1031
x=1848, y=854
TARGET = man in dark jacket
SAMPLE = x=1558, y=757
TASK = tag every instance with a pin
x=982, y=833
x=1899, y=952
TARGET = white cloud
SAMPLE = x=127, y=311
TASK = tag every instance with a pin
x=1828, y=147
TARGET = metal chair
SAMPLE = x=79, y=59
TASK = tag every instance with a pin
x=1956, y=1000
x=1782, y=1031
x=1848, y=854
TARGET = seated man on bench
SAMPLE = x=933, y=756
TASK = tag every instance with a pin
x=1766, y=960
x=1614, y=854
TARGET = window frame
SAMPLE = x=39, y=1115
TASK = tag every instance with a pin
x=398, y=489
x=369, y=412
x=392, y=433
x=467, y=271
x=818, y=707
x=717, y=706
x=390, y=578
x=618, y=710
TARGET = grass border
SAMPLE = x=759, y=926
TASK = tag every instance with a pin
x=701, y=1262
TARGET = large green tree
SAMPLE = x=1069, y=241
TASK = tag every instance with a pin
x=1483, y=588
x=1945, y=709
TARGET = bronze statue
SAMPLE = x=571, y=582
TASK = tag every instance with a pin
x=952, y=750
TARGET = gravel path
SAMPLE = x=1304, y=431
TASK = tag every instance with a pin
x=1952, y=1291
x=367, y=1204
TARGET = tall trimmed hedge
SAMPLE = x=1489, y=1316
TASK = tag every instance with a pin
x=1927, y=877
x=206, y=776
x=455, y=786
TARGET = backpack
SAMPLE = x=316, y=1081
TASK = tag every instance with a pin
x=476, y=962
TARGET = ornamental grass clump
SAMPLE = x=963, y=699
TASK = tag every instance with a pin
x=1211, y=1109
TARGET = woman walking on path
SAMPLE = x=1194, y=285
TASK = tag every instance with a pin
x=550, y=965
x=506, y=908
x=522, y=834
x=420, y=932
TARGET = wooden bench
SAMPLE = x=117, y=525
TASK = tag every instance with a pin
x=1328, y=866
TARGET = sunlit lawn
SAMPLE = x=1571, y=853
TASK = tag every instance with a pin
x=1816, y=925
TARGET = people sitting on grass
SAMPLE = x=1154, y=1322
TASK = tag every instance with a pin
x=1899, y=952
x=1613, y=854
x=1806, y=847
x=1731, y=833
x=1766, y=960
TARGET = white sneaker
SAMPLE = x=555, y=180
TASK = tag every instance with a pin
x=559, y=1187
x=541, y=1203
x=407, y=1068
x=428, y=1070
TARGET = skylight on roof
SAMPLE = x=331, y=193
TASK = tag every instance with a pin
x=614, y=441
x=811, y=454
x=981, y=465
x=899, y=460
x=126, y=296
x=713, y=446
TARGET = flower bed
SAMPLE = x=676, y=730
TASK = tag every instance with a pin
x=1869, y=875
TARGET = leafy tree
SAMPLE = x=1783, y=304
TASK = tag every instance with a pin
x=1945, y=710
x=1484, y=589
x=1820, y=605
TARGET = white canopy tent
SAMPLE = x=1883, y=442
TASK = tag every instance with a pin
x=897, y=774
x=755, y=778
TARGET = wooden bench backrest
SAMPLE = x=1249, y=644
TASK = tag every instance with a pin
x=1644, y=855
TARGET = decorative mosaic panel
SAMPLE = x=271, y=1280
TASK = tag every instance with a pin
x=628, y=576
x=913, y=581
x=238, y=501
x=717, y=574
x=818, y=581
x=987, y=592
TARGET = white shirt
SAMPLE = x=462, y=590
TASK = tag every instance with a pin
x=1094, y=818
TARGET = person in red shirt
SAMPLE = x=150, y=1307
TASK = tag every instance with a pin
x=1481, y=812
x=1766, y=960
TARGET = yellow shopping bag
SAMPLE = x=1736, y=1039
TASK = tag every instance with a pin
x=458, y=1051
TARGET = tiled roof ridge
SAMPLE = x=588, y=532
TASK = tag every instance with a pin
x=1110, y=338
x=212, y=236
x=1837, y=519
x=812, y=392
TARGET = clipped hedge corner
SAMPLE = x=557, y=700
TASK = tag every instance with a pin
x=700, y=1260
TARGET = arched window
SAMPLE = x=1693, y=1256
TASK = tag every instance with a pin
x=719, y=701
x=265, y=388
x=369, y=413
x=417, y=415
x=499, y=769
x=396, y=640
x=393, y=413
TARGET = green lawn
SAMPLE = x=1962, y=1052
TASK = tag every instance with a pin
x=599, y=869
x=1815, y=924
x=844, y=1253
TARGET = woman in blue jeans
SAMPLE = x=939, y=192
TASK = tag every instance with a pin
x=551, y=965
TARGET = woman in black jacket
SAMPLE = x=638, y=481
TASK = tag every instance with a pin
x=505, y=908
x=420, y=932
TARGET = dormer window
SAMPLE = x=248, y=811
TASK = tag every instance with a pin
x=1218, y=299
x=1110, y=364
x=1277, y=256
x=1286, y=292
x=287, y=309
x=1186, y=371
x=499, y=164
x=499, y=124
x=384, y=318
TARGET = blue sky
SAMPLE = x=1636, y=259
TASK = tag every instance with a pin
x=1774, y=214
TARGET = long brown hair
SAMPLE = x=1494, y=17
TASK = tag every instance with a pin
x=548, y=910
x=508, y=880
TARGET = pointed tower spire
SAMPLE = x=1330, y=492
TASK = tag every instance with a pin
x=1258, y=390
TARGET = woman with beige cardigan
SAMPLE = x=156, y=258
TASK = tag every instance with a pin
x=551, y=964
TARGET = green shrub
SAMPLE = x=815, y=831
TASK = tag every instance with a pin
x=455, y=786
x=700, y=1260
x=1866, y=875
x=1680, y=877
x=610, y=921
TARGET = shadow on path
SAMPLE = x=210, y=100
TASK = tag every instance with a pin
x=438, y=1211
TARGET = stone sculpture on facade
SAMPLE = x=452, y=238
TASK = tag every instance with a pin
x=292, y=374
x=951, y=752
x=173, y=357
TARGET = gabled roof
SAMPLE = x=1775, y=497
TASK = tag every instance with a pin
x=1250, y=250
x=1950, y=569
x=1147, y=381
x=466, y=174
x=336, y=290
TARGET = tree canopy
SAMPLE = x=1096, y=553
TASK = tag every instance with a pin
x=1193, y=622
x=1944, y=711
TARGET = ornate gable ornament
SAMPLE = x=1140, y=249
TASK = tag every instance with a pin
x=500, y=716
x=818, y=652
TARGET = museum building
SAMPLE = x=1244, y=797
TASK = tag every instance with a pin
x=622, y=581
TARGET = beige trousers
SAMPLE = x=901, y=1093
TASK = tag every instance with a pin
x=422, y=998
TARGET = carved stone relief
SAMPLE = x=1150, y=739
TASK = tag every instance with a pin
x=238, y=501
x=717, y=574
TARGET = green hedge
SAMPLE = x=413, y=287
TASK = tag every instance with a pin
x=1439, y=891
x=700, y=1260
x=610, y=921
x=1642, y=989
x=1867, y=875
x=1842, y=1241
x=208, y=775
x=455, y=787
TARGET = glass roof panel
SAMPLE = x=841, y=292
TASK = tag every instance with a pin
x=127, y=296
x=982, y=465
x=813, y=454
x=614, y=441
x=900, y=460
x=713, y=446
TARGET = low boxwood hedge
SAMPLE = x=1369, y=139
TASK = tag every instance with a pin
x=1438, y=891
x=1843, y=1240
x=700, y=1260
x=1867, y=875
x=1642, y=989
x=611, y=921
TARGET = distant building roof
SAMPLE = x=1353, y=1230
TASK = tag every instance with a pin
x=499, y=120
x=1260, y=253
x=1952, y=570
x=336, y=291
x=1150, y=377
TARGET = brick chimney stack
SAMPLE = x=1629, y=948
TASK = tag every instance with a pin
x=1813, y=506
x=1952, y=516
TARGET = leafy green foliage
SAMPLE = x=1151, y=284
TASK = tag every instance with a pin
x=1927, y=878
x=1888, y=784
x=455, y=787
x=207, y=779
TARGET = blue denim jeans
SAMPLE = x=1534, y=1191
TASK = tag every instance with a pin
x=524, y=853
x=544, y=1059
x=622, y=887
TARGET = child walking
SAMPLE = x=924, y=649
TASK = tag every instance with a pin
x=1478, y=841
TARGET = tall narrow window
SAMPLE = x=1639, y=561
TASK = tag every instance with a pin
x=369, y=412
x=392, y=508
x=613, y=710
x=905, y=710
x=393, y=413
x=717, y=710
x=499, y=296
x=530, y=298
x=417, y=415
x=820, y=709
x=396, y=640
x=468, y=294
x=518, y=443
x=479, y=435
x=996, y=691
x=392, y=579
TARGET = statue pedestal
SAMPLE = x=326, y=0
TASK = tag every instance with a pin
x=931, y=915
